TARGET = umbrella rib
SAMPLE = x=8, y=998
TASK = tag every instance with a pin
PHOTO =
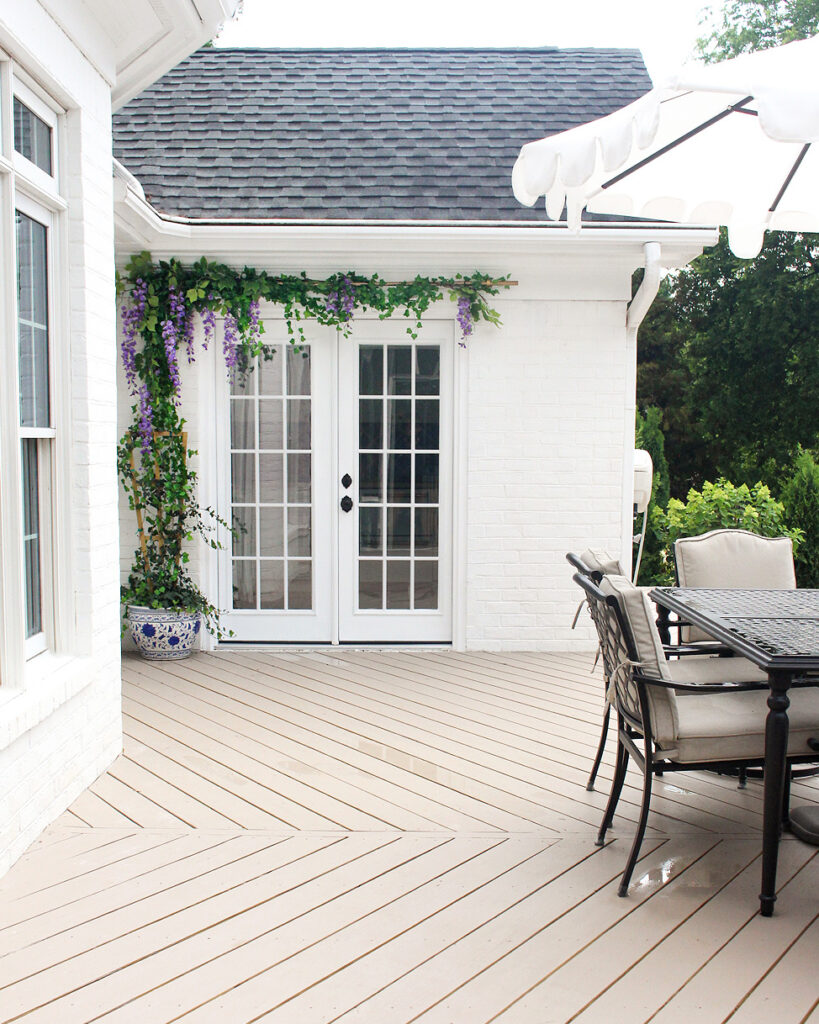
x=803, y=152
x=734, y=108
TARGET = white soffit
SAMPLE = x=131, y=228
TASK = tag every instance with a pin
x=133, y=50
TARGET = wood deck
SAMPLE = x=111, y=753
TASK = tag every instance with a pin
x=384, y=837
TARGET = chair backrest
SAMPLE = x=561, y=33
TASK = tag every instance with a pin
x=628, y=638
x=733, y=560
x=601, y=562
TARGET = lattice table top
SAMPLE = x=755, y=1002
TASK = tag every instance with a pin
x=779, y=624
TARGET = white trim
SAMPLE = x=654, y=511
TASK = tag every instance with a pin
x=460, y=495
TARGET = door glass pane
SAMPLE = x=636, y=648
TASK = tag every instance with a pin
x=270, y=375
x=427, y=370
x=426, y=479
x=271, y=532
x=398, y=531
x=426, y=532
x=426, y=584
x=299, y=584
x=243, y=478
x=32, y=136
x=370, y=413
x=244, y=583
x=369, y=477
x=426, y=424
x=242, y=424
x=371, y=370
x=32, y=321
x=370, y=576
x=244, y=525
x=298, y=424
x=31, y=538
x=271, y=417
x=369, y=531
x=298, y=479
x=299, y=543
x=298, y=371
x=399, y=427
x=271, y=592
x=271, y=477
x=399, y=482
x=398, y=584
x=399, y=370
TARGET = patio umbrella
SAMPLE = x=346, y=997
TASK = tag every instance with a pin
x=727, y=143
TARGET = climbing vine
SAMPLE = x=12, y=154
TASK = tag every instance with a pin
x=161, y=303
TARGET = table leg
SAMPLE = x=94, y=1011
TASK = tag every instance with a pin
x=776, y=748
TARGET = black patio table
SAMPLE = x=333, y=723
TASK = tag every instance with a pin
x=778, y=630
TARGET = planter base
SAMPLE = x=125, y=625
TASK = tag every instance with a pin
x=160, y=634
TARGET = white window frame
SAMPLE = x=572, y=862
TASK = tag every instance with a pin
x=36, y=194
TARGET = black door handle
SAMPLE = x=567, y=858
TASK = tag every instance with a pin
x=346, y=480
x=346, y=503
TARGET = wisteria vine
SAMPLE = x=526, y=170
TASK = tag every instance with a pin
x=161, y=305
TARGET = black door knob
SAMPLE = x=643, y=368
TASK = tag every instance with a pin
x=346, y=503
x=346, y=480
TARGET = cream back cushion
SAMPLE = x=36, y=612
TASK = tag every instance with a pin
x=601, y=561
x=733, y=560
x=639, y=613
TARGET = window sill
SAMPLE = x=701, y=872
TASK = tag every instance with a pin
x=51, y=680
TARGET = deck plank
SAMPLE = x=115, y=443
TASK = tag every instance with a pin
x=388, y=836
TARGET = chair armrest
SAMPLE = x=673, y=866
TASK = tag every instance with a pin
x=727, y=687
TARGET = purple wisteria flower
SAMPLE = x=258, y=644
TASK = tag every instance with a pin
x=230, y=342
x=342, y=302
x=189, y=338
x=255, y=320
x=146, y=418
x=169, y=337
x=132, y=316
x=464, y=318
x=208, y=323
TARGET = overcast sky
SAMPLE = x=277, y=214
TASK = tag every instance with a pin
x=665, y=30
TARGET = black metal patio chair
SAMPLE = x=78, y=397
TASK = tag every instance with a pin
x=720, y=724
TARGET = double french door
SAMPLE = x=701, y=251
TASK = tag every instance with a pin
x=337, y=475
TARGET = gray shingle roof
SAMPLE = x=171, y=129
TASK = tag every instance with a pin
x=360, y=134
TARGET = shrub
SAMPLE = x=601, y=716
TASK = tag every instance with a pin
x=800, y=497
x=720, y=505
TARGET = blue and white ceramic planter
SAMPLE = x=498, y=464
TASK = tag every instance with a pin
x=160, y=634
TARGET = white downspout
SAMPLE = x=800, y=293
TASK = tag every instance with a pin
x=637, y=309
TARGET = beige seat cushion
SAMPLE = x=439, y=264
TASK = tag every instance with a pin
x=703, y=669
x=726, y=727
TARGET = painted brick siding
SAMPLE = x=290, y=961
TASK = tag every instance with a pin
x=545, y=466
x=60, y=731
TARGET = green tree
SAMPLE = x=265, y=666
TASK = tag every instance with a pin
x=729, y=350
x=800, y=497
x=745, y=25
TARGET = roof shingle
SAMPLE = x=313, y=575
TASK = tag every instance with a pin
x=360, y=134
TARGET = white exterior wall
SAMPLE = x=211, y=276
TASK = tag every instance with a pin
x=544, y=439
x=546, y=446
x=60, y=720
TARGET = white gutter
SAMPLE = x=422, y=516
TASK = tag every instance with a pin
x=638, y=307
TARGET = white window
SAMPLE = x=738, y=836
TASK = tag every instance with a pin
x=31, y=404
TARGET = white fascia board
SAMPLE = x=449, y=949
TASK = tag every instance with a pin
x=269, y=242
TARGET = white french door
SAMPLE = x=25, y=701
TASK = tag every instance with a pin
x=336, y=471
x=395, y=448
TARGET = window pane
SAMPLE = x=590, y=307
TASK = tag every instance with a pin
x=369, y=531
x=270, y=375
x=32, y=136
x=399, y=468
x=271, y=478
x=426, y=479
x=369, y=477
x=298, y=479
x=243, y=478
x=242, y=424
x=270, y=424
x=370, y=413
x=426, y=423
x=32, y=321
x=398, y=531
x=426, y=532
x=271, y=531
x=31, y=538
x=299, y=542
x=400, y=422
x=298, y=424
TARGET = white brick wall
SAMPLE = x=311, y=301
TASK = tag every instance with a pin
x=545, y=437
x=60, y=726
